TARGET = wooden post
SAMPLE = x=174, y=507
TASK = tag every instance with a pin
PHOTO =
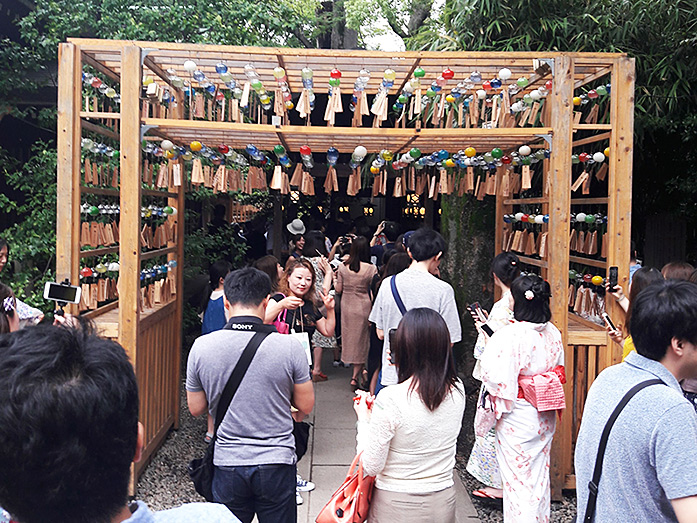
x=277, y=226
x=558, y=243
x=129, y=249
x=179, y=204
x=68, y=172
x=619, y=209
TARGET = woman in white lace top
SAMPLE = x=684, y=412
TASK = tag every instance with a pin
x=408, y=437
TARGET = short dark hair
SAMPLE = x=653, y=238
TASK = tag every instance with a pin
x=532, y=306
x=506, y=267
x=68, y=425
x=661, y=312
x=426, y=243
x=3, y=243
x=248, y=286
x=421, y=351
x=218, y=271
x=391, y=231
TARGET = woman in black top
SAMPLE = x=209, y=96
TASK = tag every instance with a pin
x=296, y=296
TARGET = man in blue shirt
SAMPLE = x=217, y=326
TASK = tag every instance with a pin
x=69, y=432
x=650, y=468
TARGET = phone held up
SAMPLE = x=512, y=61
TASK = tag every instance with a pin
x=479, y=315
x=612, y=278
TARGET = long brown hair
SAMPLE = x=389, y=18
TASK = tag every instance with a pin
x=269, y=264
x=290, y=267
x=6, y=312
x=421, y=350
x=360, y=252
x=398, y=262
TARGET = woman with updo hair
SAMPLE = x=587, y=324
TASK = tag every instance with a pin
x=482, y=464
x=522, y=372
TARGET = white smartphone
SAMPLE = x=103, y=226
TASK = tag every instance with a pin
x=58, y=292
x=608, y=321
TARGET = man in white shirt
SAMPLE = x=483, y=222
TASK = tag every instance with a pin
x=417, y=287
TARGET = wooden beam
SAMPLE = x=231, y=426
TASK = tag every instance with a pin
x=99, y=66
x=619, y=209
x=558, y=246
x=588, y=79
x=68, y=169
x=150, y=64
x=407, y=77
x=129, y=252
x=178, y=201
x=592, y=139
x=89, y=126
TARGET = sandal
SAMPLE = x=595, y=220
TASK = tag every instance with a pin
x=483, y=495
x=354, y=383
x=319, y=376
x=208, y=437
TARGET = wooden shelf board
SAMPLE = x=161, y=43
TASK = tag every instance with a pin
x=524, y=201
x=589, y=201
x=588, y=261
x=160, y=252
x=99, y=252
x=100, y=115
x=532, y=261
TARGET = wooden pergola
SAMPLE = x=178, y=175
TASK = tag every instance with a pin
x=152, y=335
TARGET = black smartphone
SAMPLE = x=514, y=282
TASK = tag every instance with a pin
x=487, y=330
x=607, y=319
x=477, y=310
x=612, y=278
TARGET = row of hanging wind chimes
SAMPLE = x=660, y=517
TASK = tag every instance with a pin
x=587, y=303
x=222, y=179
x=100, y=175
x=159, y=292
x=98, y=234
x=586, y=242
x=95, y=104
x=525, y=242
x=162, y=175
x=103, y=290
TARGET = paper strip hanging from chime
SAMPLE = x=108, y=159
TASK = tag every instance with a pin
x=490, y=184
x=354, y=182
x=244, y=99
x=220, y=179
x=277, y=178
x=331, y=182
x=333, y=105
x=412, y=178
x=308, y=184
x=196, y=172
x=297, y=178
x=279, y=107
x=469, y=180
x=377, y=182
x=303, y=106
x=383, y=183
x=421, y=183
x=398, y=191
x=601, y=173
x=379, y=108
x=444, y=187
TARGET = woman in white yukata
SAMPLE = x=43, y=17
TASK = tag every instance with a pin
x=482, y=464
x=522, y=369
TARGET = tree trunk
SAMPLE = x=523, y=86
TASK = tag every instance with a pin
x=468, y=228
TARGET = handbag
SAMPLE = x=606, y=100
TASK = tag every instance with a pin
x=280, y=321
x=484, y=416
x=201, y=470
x=598, y=469
x=351, y=501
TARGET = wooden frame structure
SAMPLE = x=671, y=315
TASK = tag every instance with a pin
x=127, y=62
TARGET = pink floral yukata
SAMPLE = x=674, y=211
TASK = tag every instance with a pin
x=523, y=435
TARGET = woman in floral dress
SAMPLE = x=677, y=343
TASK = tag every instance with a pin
x=482, y=463
x=522, y=370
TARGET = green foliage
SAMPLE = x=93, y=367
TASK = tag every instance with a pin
x=33, y=239
x=404, y=18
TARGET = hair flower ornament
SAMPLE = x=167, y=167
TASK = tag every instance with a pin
x=529, y=295
x=8, y=304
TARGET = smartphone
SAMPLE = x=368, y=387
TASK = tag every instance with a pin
x=607, y=319
x=58, y=292
x=612, y=278
x=477, y=310
x=488, y=330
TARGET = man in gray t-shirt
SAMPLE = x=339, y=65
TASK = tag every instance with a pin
x=650, y=468
x=255, y=449
x=417, y=287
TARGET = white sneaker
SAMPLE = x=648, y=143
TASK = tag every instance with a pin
x=298, y=498
x=336, y=363
x=302, y=485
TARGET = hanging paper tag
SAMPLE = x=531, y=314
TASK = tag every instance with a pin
x=526, y=179
x=579, y=181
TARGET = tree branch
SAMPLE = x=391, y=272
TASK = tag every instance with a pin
x=303, y=39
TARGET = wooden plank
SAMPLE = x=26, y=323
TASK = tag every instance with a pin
x=592, y=127
x=68, y=165
x=558, y=245
x=586, y=337
x=89, y=126
x=588, y=261
x=532, y=261
x=579, y=385
x=591, y=78
x=525, y=201
x=99, y=66
x=589, y=201
x=407, y=77
x=159, y=252
x=156, y=69
x=619, y=209
x=130, y=201
x=100, y=115
x=98, y=252
x=176, y=346
x=592, y=139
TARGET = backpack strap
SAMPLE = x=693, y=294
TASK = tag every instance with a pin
x=397, y=297
x=597, y=471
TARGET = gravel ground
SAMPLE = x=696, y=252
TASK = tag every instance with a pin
x=166, y=484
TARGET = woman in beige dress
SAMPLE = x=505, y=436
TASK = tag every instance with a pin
x=353, y=283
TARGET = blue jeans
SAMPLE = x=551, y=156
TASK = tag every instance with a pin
x=267, y=490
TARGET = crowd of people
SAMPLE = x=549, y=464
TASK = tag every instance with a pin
x=382, y=309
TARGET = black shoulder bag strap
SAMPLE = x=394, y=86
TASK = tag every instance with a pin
x=597, y=471
x=397, y=297
x=233, y=383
